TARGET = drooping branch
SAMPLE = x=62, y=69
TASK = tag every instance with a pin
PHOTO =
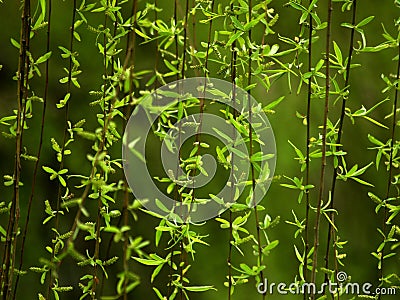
x=323, y=159
x=331, y=237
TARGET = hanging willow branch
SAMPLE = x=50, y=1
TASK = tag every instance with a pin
x=69, y=81
x=308, y=137
x=323, y=159
x=331, y=237
x=39, y=152
x=390, y=174
x=7, y=270
x=233, y=80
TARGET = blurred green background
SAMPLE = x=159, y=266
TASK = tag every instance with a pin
x=357, y=221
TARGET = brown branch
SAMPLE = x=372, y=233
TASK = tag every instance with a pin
x=6, y=279
x=38, y=155
x=69, y=81
x=331, y=230
x=323, y=159
x=389, y=181
x=308, y=137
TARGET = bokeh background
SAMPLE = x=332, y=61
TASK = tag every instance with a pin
x=357, y=220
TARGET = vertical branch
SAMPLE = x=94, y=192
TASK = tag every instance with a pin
x=106, y=109
x=85, y=193
x=70, y=66
x=193, y=41
x=125, y=254
x=96, y=248
x=253, y=179
x=185, y=30
x=178, y=194
x=157, y=54
x=124, y=215
x=181, y=243
x=131, y=59
x=235, y=115
x=39, y=152
x=201, y=108
x=171, y=251
x=323, y=159
x=331, y=230
x=233, y=80
x=176, y=34
x=389, y=181
x=6, y=279
x=308, y=136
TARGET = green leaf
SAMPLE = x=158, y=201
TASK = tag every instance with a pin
x=338, y=53
x=297, y=150
x=271, y=246
x=254, y=22
x=199, y=288
x=159, y=295
x=247, y=269
x=155, y=272
x=237, y=152
x=135, y=152
x=142, y=34
x=374, y=140
x=49, y=170
x=161, y=206
x=223, y=135
x=274, y=103
x=64, y=101
x=15, y=43
x=363, y=182
x=171, y=66
x=233, y=38
x=260, y=157
x=237, y=24
x=43, y=58
x=365, y=21
x=62, y=181
x=77, y=36
x=298, y=255
x=148, y=262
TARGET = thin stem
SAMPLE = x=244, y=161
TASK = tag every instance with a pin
x=85, y=193
x=389, y=181
x=126, y=186
x=96, y=249
x=251, y=151
x=233, y=80
x=6, y=279
x=176, y=4
x=125, y=247
x=323, y=159
x=99, y=202
x=193, y=40
x=181, y=243
x=108, y=111
x=308, y=137
x=185, y=30
x=176, y=191
x=201, y=108
x=157, y=54
x=71, y=45
x=39, y=152
x=331, y=230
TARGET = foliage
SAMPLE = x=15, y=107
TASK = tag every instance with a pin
x=67, y=178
